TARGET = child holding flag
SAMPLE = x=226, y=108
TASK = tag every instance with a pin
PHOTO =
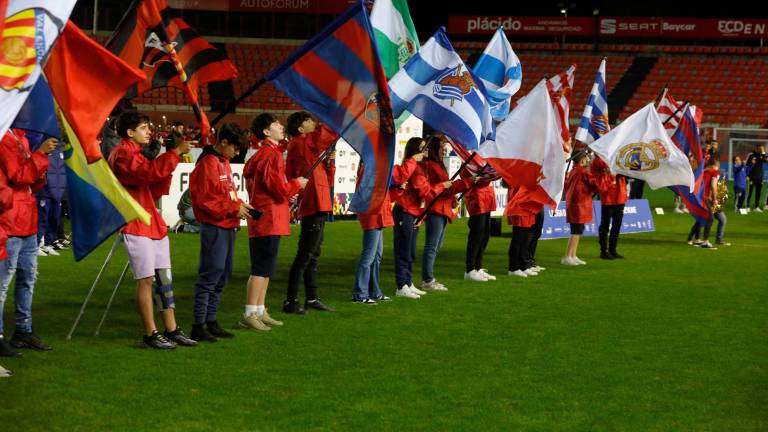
x=579, y=188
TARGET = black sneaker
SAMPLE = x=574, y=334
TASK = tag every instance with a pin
x=29, y=340
x=200, y=334
x=158, y=341
x=179, y=338
x=318, y=305
x=6, y=350
x=383, y=298
x=616, y=255
x=606, y=256
x=292, y=307
x=215, y=329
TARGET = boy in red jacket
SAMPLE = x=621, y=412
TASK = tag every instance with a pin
x=579, y=188
x=147, y=246
x=219, y=211
x=308, y=142
x=25, y=173
x=269, y=192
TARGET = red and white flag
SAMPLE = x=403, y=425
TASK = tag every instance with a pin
x=560, y=89
x=528, y=150
x=669, y=107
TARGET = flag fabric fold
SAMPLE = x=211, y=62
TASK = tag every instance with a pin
x=28, y=30
x=640, y=148
x=686, y=138
x=338, y=77
x=594, y=119
x=501, y=73
x=99, y=204
x=437, y=87
x=560, y=90
x=528, y=148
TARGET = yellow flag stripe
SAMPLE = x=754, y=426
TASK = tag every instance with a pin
x=14, y=71
x=26, y=31
x=25, y=14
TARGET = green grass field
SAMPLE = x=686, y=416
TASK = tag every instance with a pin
x=674, y=338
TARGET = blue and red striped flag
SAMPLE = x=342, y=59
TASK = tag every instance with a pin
x=338, y=77
x=686, y=138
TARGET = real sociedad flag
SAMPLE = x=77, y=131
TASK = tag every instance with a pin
x=501, y=72
x=594, y=120
x=338, y=77
x=686, y=138
x=437, y=87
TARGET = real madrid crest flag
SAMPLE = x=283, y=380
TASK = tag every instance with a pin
x=29, y=29
x=640, y=148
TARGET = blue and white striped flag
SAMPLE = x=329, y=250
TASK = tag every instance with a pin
x=501, y=72
x=594, y=120
x=437, y=87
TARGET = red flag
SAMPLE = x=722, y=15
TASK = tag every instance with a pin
x=560, y=89
x=87, y=81
x=671, y=113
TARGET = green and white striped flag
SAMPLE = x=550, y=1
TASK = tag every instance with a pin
x=395, y=35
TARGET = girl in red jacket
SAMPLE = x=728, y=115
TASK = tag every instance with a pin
x=613, y=196
x=579, y=188
x=269, y=192
x=443, y=191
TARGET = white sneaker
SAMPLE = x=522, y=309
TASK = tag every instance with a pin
x=518, y=273
x=41, y=252
x=685, y=210
x=539, y=268
x=416, y=291
x=475, y=275
x=530, y=272
x=569, y=261
x=406, y=292
x=757, y=209
x=50, y=250
x=434, y=285
x=677, y=210
x=487, y=275
x=579, y=261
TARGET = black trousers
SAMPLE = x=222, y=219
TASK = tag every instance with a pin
x=610, y=216
x=477, y=241
x=305, y=263
x=636, y=189
x=758, y=188
x=739, y=196
x=533, y=239
x=518, y=248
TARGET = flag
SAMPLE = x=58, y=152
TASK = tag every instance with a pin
x=396, y=36
x=477, y=166
x=671, y=112
x=686, y=138
x=99, y=204
x=640, y=148
x=338, y=77
x=37, y=113
x=101, y=82
x=437, y=87
x=29, y=30
x=528, y=149
x=560, y=89
x=501, y=73
x=594, y=120
x=152, y=36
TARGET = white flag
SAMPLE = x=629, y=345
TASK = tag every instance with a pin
x=640, y=148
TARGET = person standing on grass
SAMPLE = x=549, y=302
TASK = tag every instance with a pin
x=709, y=179
x=308, y=143
x=219, y=211
x=269, y=193
x=739, y=182
x=25, y=174
x=366, y=289
x=409, y=188
x=613, y=196
x=755, y=161
x=6, y=202
x=148, y=247
x=443, y=191
x=579, y=188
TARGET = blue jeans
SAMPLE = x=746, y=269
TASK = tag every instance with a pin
x=405, y=236
x=721, y=220
x=367, y=275
x=22, y=262
x=432, y=244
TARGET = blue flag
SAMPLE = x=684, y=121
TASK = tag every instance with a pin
x=37, y=113
x=686, y=138
x=338, y=77
x=501, y=72
x=437, y=87
x=594, y=120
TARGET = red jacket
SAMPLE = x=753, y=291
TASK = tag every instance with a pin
x=303, y=151
x=410, y=188
x=269, y=191
x=707, y=176
x=380, y=219
x=25, y=174
x=214, y=197
x=520, y=210
x=146, y=180
x=613, y=189
x=6, y=203
x=579, y=188
x=446, y=201
x=481, y=198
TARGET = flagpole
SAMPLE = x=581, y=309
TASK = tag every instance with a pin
x=434, y=200
x=657, y=100
x=680, y=108
x=479, y=173
x=232, y=105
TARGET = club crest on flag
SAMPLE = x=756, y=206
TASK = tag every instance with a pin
x=453, y=84
x=600, y=124
x=19, y=53
x=378, y=110
x=406, y=50
x=155, y=51
x=641, y=156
